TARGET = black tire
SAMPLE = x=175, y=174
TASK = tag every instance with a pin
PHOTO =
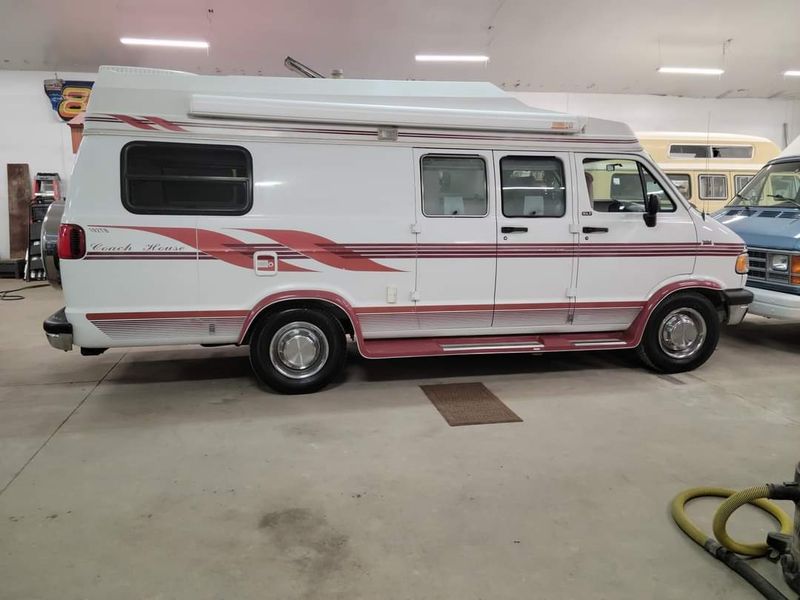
x=659, y=352
x=297, y=326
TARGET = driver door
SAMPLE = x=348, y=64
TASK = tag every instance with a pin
x=622, y=261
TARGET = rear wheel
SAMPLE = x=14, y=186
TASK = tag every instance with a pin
x=297, y=351
x=681, y=335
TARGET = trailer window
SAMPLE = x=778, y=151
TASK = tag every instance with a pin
x=683, y=182
x=709, y=151
x=454, y=186
x=739, y=181
x=186, y=179
x=532, y=187
x=713, y=187
x=620, y=185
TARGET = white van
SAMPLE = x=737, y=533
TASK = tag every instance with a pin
x=419, y=218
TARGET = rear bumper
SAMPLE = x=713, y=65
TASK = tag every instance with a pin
x=738, y=302
x=778, y=305
x=58, y=330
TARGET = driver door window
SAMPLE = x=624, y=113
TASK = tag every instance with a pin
x=621, y=185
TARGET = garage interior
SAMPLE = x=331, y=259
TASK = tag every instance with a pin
x=169, y=472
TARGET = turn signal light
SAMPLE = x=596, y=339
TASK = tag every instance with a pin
x=743, y=264
x=71, y=241
x=795, y=276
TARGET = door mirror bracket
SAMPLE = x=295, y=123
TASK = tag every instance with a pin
x=651, y=207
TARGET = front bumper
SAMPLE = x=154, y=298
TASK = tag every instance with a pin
x=778, y=305
x=738, y=302
x=58, y=331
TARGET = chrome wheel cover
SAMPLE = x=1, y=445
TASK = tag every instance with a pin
x=298, y=350
x=682, y=333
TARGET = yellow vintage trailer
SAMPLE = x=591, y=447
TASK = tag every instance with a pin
x=708, y=168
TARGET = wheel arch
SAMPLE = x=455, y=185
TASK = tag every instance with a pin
x=332, y=304
x=707, y=288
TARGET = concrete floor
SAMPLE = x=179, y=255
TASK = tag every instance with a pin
x=167, y=473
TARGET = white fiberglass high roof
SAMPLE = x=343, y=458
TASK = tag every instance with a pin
x=435, y=104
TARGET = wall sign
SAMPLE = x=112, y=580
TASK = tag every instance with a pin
x=68, y=98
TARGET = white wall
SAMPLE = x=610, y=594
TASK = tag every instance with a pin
x=31, y=132
x=750, y=116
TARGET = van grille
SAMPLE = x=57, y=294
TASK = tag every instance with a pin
x=759, y=258
x=758, y=264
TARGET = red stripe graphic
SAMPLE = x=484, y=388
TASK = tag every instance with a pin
x=301, y=245
x=319, y=249
x=166, y=124
x=212, y=243
x=134, y=122
x=176, y=314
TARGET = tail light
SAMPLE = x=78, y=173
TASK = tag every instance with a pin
x=71, y=241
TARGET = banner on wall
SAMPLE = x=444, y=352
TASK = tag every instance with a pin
x=68, y=97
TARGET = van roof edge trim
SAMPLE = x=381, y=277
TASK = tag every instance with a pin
x=236, y=107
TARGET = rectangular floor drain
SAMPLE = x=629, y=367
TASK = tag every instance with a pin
x=468, y=404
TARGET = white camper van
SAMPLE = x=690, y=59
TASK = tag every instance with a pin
x=418, y=218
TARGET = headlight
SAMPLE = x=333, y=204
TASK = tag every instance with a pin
x=779, y=262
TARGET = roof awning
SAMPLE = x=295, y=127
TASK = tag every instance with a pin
x=237, y=107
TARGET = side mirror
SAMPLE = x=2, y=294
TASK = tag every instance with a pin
x=651, y=208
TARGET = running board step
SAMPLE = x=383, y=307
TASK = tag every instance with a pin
x=550, y=342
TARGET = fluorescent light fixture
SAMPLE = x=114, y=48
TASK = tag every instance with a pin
x=164, y=43
x=268, y=183
x=691, y=70
x=791, y=73
x=471, y=58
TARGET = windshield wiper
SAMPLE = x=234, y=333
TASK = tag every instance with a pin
x=738, y=195
x=783, y=198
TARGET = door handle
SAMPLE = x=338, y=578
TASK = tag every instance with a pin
x=513, y=229
x=595, y=230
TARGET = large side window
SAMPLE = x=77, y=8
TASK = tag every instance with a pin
x=186, y=179
x=713, y=187
x=621, y=185
x=454, y=186
x=532, y=186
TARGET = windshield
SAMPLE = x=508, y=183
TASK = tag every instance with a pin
x=775, y=186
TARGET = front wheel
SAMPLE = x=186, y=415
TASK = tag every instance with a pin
x=297, y=351
x=681, y=335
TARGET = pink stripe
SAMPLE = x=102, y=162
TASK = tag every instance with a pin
x=166, y=124
x=134, y=122
x=177, y=314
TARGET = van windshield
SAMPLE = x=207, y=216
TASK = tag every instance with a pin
x=776, y=186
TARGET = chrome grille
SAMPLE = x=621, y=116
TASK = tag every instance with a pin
x=759, y=260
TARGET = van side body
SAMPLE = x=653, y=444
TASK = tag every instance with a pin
x=418, y=218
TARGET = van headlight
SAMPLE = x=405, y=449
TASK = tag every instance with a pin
x=779, y=262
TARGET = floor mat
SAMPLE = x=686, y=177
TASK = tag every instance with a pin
x=468, y=404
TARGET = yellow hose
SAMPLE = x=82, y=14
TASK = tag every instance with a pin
x=755, y=496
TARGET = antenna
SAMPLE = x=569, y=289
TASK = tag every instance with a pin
x=298, y=67
x=709, y=150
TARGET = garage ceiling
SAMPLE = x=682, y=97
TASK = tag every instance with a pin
x=612, y=46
